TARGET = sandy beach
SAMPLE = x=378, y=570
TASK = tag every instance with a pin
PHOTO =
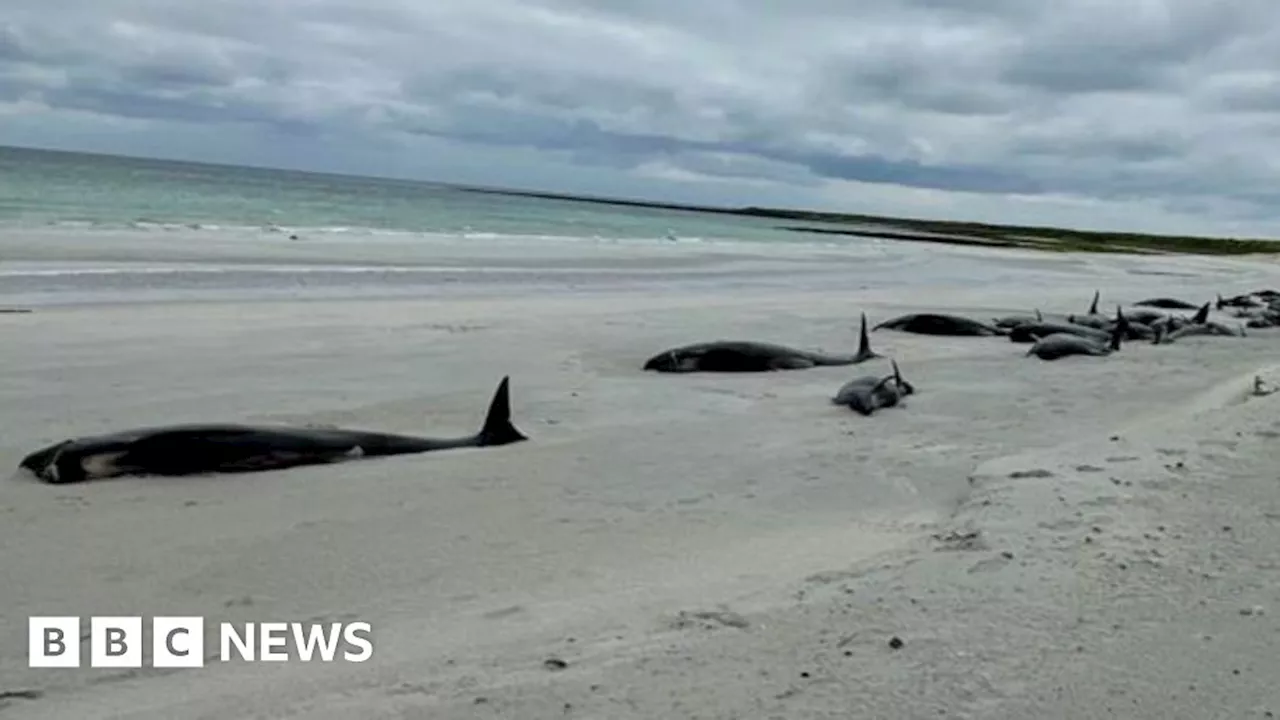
x=1087, y=538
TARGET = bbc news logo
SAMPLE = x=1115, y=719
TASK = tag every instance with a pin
x=178, y=642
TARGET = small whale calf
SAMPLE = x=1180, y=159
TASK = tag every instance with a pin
x=178, y=450
x=869, y=393
x=746, y=356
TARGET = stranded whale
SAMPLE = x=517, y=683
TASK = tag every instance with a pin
x=226, y=448
x=869, y=393
x=747, y=356
x=939, y=324
x=1060, y=345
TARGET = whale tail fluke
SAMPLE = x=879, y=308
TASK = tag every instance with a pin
x=904, y=387
x=1116, y=334
x=497, y=429
x=864, y=343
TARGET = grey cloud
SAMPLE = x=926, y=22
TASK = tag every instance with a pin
x=170, y=75
x=13, y=46
x=1136, y=47
x=570, y=131
x=1167, y=101
x=1257, y=91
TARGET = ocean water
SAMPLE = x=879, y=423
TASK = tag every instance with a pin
x=77, y=228
x=40, y=189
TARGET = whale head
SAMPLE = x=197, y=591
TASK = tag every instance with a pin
x=672, y=361
x=37, y=461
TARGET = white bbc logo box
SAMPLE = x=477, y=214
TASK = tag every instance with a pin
x=178, y=642
x=115, y=642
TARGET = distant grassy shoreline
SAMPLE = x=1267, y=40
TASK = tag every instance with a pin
x=951, y=232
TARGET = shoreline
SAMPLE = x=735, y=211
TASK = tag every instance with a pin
x=691, y=545
x=961, y=232
x=907, y=229
x=58, y=268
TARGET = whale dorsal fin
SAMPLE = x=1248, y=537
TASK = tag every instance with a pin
x=1202, y=314
x=864, y=342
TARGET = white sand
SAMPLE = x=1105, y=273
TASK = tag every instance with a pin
x=692, y=546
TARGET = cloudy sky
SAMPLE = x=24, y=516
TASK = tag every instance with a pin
x=1138, y=114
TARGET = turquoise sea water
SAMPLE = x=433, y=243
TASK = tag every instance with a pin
x=42, y=188
x=77, y=228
